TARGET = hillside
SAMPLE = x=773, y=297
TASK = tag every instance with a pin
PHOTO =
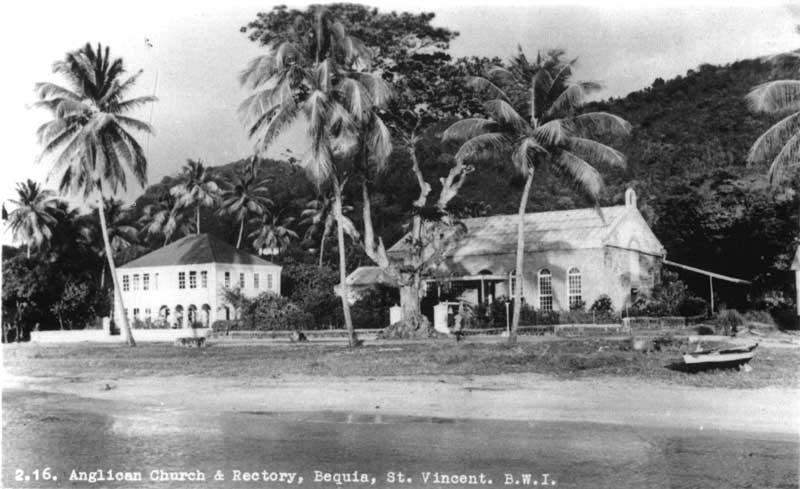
x=686, y=160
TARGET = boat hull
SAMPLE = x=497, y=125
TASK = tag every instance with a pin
x=719, y=359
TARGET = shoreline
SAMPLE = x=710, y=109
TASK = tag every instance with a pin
x=513, y=397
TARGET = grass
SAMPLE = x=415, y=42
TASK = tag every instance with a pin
x=566, y=359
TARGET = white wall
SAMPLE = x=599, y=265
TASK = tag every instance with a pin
x=167, y=291
x=605, y=270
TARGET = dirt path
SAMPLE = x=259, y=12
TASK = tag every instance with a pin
x=514, y=397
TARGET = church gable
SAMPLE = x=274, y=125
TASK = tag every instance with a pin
x=631, y=232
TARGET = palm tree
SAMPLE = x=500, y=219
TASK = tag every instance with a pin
x=89, y=136
x=246, y=196
x=122, y=234
x=199, y=189
x=163, y=218
x=780, y=144
x=320, y=219
x=33, y=220
x=309, y=72
x=533, y=116
x=272, y=234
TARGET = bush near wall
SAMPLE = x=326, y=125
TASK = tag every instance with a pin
x=372, y=309
x=311, y=289
x=493, y=316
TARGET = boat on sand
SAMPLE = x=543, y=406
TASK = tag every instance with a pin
x=719, y=358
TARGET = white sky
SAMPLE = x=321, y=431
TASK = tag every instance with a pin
x=198, y=51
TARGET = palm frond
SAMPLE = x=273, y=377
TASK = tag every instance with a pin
x=598, y=124
x=379, y=143
x=135, y=124
x=318, y=164
x=789, y=157
x=469, y=128
x=135, y=102
x=525, y=155
x=568, y=101
x=553, y=133
x=47, y=90
x=379, y=91
x=483, y=146
x=595, y=152
x=769, y=144
x=482, y=84
x=504, y=113
x=264, y=135
x=775, y=96
x=582, y=174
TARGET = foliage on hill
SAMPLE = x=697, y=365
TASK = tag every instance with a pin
x=686, y=161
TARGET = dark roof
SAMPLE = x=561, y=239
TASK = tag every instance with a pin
x=196, y=249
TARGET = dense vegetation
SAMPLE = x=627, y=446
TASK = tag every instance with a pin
x=687, y=161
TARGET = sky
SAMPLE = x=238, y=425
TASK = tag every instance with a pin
x=192, y=52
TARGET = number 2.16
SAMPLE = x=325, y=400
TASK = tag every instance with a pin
x=36, y=475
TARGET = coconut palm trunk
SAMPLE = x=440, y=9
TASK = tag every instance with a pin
x=118, y=305
x=241, y=232
x=198, y=218
x=322, y=248
x=343, y=289
x=518, y=273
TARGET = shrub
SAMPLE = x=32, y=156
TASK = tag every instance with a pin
x=579, y=305
x=275, y=312
x=224, y=326
x=372, y=309
x=670, y=297
x=602, y=305
x=763, y=317
x=693, y=306
x=268, y=311
x=488, y=316
x=311, y=288
x=730, y=320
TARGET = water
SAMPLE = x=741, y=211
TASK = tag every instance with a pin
x=65, y=433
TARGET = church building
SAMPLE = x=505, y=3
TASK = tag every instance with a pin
x=572, y=257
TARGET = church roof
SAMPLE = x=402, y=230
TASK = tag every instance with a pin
x=194, y=250
x=621, y=226
x=369, y=275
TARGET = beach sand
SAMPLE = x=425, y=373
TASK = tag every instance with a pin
x=530, y=397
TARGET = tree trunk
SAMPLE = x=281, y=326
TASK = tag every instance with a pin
x=409, y=303
x=102, y=276
x=322, y=248
x=198, y=219
x=29, y=251
x=518, y=273
x=241, y=231
x=119, y=307
x=343, y=289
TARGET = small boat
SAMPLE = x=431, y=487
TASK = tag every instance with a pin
x=725, y=358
